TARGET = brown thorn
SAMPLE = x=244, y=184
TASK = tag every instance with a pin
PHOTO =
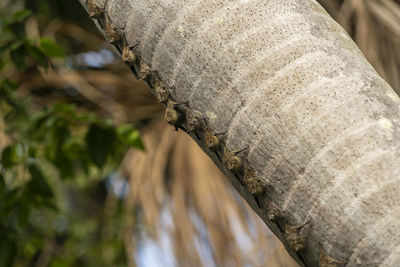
x=240, y=180
x=219, y=158
x=257, y=202
x=239, y=151
x=197, y=135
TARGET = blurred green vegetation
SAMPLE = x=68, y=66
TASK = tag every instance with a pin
x=58, y=161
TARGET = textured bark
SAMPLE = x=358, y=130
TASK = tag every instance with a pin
x=284, y=82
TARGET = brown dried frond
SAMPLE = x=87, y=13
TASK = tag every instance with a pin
x=174, y=172
x=118, y=95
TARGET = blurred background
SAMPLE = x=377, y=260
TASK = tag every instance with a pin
x=149, y=199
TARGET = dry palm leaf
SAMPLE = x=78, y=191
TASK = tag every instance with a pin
x=173, y=174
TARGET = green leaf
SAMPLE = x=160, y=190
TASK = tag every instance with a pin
x=18, y=57
x=73, y=150
x=38, y=55
x=101, y=143
x=130, y=136
x=56, y=136
x=6, y=45
x=64, y=165
x=10, y=157
x=37, y=130
x=15, y=44
x=8, y=87
x=29, y=250
x=86, y=118
x=3, y=63
x=23, y=215
x=3, y=188
x=10, y=201
x=50, y=204
x=8, y=252
x=20, y=15
x=16, y=23
x=32, y=151
x=18, y=29
x=60, y=263
x=68, y=109
x=2, y=182
x=50, y=48
x=38, y=184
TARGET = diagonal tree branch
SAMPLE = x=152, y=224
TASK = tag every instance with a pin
x=283, y=101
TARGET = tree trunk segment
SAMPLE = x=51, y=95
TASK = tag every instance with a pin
x=283, y=101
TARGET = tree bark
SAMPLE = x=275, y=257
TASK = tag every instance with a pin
x=304, y=127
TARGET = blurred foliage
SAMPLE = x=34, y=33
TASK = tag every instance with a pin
x=55, y=164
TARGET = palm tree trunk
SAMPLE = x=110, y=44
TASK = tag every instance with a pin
x=283, y=101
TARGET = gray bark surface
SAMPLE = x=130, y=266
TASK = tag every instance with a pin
x=284, y=82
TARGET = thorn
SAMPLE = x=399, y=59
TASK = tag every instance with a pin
x=257, y=202
x=219, y=158
x=197, y=135
x=240, y=180
x=239, y=151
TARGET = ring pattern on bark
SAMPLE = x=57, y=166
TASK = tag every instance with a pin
x=190, y=120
